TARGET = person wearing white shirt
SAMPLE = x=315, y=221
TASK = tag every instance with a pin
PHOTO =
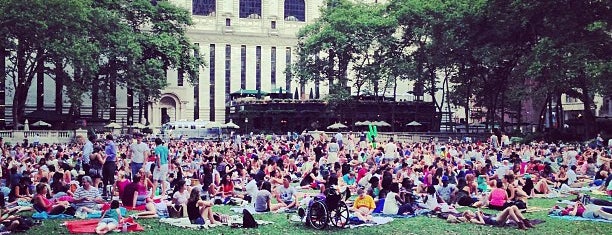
x=571, y=176
x=390, y=150
x=339, y=139
x=139, y=151
x=251, y=190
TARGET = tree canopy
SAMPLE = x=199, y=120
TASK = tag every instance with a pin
x=489, y=53
x=94, y=46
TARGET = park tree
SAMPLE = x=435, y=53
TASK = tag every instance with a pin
x=35, y=32
x=346, y=34
x=572, y=52
x=94, y=46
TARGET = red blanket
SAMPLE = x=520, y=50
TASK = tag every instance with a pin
x=89, y=226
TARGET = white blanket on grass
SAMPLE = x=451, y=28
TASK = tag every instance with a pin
x=185, y=223
x=376, y=220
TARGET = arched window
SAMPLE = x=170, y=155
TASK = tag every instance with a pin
x=204, y=7
x=250, y=9
x=295, y=10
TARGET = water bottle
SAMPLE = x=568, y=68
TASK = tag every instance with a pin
x=124, y=229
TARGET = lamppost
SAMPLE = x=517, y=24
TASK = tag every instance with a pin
x=246, y=125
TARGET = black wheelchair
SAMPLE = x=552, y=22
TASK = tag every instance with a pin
x=327, y=209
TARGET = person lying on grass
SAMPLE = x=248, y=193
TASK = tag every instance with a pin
x=110, y=219
x=511, y=213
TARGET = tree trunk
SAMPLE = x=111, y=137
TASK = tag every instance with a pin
x=94, y=98
x=560, y=122
x=59, y=86
x=113, y=93
x=589, y=118
x=550, y=111
x=40, y=83
x=542, y=112
x=130, y=106
x=330, y=70
x=3, y=54
x=467, y=107
x=19, y=98
x=302, y=90
x=502, y=124
x=140, y=107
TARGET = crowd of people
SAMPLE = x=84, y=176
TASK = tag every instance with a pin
x=276, y=173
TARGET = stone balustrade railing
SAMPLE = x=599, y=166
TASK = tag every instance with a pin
x=42, y=136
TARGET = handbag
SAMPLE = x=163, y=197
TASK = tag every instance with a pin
x=176, y=211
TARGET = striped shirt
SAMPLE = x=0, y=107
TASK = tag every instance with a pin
x=92, y=193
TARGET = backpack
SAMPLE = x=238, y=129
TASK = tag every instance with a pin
x=247, y=220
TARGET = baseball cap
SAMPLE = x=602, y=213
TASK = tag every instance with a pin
x=444, y=178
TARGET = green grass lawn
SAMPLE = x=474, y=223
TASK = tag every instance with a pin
x=417, y=225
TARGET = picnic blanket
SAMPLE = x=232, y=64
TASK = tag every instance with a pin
x=532, y=209
x=43, y=215
x=376, y=220
x=393, y=216
x=249, y=208
x=185, y=223
x=89, y=226
x=578, y=218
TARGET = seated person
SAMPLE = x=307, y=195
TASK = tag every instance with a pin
x=180, y=196
x=263, y=199
x=363, y=206
x=250, y=189
x=541, y=187
x=135, y=193
x=446, y=191
x=41, y=202
x=498, y=198
x=286, y=194
x=199, y=210
x=87, y=197
x=430, y=200
x=110, y=219
x=394, y=204
x=227, y=189
x=511, y=213
x=121, y=183
x=21, y=191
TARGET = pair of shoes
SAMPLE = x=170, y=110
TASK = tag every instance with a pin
x=528, y=223
x=134, y=216
x=521, y=226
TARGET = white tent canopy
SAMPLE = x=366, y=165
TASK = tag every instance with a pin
x=364, y=123
x=113, y=125
x=41, y=124
x=231, y=125
x=414, y=123
x=381, y=123
x=337, y=126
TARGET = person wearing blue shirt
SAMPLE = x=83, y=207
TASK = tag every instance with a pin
x=110, y=166
x=349, y=178
x=161, y=165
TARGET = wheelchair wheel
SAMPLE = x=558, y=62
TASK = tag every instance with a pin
x=317, y=215
x=339, y=217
